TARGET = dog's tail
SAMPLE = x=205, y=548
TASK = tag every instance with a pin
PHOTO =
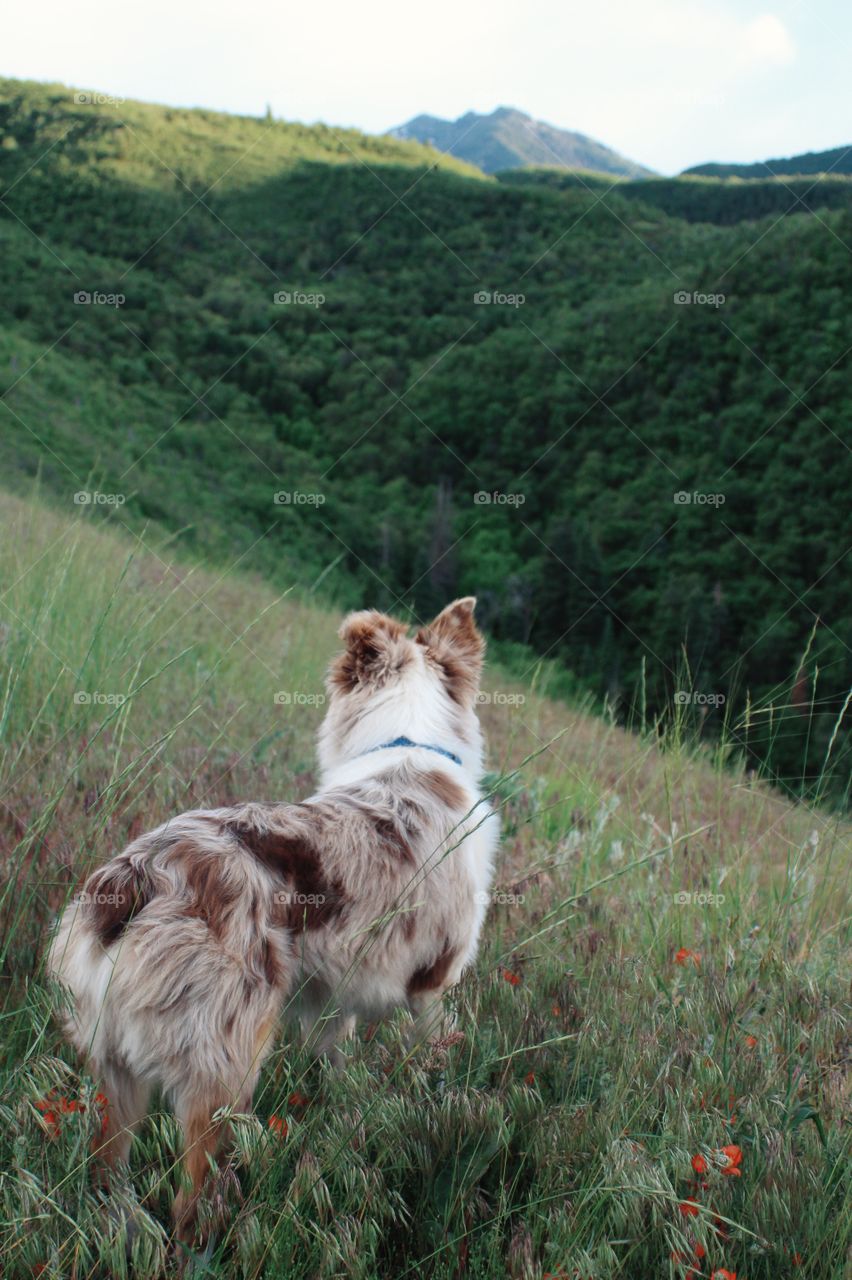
x=96, y=917
x=113, y=895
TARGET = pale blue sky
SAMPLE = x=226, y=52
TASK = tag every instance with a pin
x=667, y=82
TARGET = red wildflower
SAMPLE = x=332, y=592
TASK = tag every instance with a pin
x=51, y=1123
x=751, y=1041
x=685, y=954
x=688, y=1208
x=529, y=1078
x=279, y=1126
x=556, y=1011
x=700, y=1251
x=511, y=977
x=102, y=1103
x=70, y=1105
x=733, y=1159
x=699, y=1164
x=298, y=1099
x=722, y=1274
x=797, y=1259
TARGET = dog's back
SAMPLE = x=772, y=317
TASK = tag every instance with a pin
x=210, y=921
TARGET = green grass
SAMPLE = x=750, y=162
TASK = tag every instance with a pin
x=555, y=1132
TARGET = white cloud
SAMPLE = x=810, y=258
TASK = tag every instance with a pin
x=767, y=40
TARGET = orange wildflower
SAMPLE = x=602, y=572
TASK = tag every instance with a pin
x=699, y=1164
x=751, y=1041
x=102, y=1103
x=688, y=1208
x=733, y=1159
x=279, y=1126
x=511, y=977
x=685, y=954
x=298, y=1099
x=51, y=1123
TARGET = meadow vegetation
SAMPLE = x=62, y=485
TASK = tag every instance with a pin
x=646, y=1078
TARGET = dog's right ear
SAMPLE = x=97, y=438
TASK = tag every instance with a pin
x=374, y=647
x=454, y=644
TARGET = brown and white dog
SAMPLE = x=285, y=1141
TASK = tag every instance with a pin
x=182, y=953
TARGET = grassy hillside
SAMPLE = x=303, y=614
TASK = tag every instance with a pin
x=661, y=974
x=535, y=448
x=155, y=147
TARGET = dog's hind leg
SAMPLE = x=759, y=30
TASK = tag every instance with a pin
x=204, y=1137
x=431, y=1020
x=322, y=1036
x=126, y=1103
x=205, y=1134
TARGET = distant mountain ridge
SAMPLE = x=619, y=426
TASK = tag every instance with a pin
x=510, y=139
x=837, y=162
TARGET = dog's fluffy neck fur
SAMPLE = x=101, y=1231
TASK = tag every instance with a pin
x=416, y=707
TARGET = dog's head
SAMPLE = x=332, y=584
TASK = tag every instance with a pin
x=388, y=683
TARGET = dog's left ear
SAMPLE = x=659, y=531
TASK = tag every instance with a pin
x=454, y=642
x=374, y=647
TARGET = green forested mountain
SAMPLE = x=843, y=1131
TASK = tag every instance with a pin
x=510, y=139
x=838, y=161
x=622, y=425
x=697, y=199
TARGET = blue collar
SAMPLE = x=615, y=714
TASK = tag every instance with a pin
x=425, y=746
